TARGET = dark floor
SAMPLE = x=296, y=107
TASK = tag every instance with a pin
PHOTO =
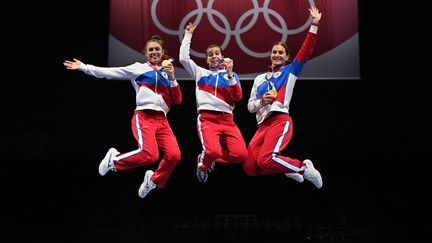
x=78, y=205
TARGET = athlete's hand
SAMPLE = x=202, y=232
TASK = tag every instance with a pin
x=170, y=70
x=267, y=99
x=190, y=28
x=315, y=13
x=72, y=65
x=229, y=64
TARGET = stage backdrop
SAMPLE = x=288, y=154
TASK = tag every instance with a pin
x=245, y=29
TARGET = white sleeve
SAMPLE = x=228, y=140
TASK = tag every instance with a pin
x=184, y=55
x=254, y=104
x=108, y=72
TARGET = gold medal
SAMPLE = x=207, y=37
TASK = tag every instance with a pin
x=166, y=63
x=273, y=92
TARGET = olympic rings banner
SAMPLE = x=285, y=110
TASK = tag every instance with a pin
x=245, y=29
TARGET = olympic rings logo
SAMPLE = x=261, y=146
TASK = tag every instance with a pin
x=226, y=29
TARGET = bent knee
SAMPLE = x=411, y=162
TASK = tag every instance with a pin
x=249, y=170
x=173, y=156
x=265, y=158
x=212, y=155
x=240, y=156
x=149, y=156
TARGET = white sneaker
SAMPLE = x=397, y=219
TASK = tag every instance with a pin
x=147, y=184
x=202, y=175
x=107, y=163
x=295, y=176
x=311, y=174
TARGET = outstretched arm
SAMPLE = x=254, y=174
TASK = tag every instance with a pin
x=308, y=45
x=101, y=72
x=184, y=54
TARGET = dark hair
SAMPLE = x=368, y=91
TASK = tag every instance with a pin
x=154, y=38
x=213, y=45
x=283, y=45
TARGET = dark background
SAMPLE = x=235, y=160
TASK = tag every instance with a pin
x=369, y=138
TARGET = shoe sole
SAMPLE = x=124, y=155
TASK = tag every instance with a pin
x=102, y=164
x=312, y=167
x=147, y=177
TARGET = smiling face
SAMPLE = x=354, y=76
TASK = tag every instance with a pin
x=213, y=55
x=279, y=55
x=154, y=52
